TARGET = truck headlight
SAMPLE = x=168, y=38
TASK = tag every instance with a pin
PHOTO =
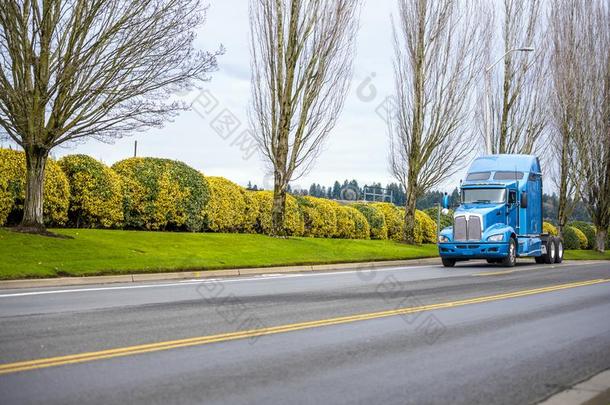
x=443, y=239
x=496, y=238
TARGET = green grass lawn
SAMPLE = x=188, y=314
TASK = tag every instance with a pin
x=586, y=255
x=97, y=252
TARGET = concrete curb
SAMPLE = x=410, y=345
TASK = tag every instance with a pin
x=594, y=391
x=188, y=275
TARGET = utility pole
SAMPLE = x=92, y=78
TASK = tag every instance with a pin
x=135, y=149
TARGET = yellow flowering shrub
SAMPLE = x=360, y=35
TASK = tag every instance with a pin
x=375, y=219
x=345, y=228
x=96, y=193
x=162, y=194
x=588, y=230
x=12, y=189
x=262, y=201
x=251, y=211
x=446, y=219
x=320, y=217
x=225, y=212
x=549, y=228
x=361, y=225
x=394, y=219
x=426, y=225
x=574, y=238
x=351, y=224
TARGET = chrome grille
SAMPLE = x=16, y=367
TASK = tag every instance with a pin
x=474, y=228
x=459, y=228
x=464, y=230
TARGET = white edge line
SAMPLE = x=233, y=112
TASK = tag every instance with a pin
x=206, y=281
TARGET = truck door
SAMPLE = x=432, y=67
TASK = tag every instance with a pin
x=511, y=209
x=534, y=208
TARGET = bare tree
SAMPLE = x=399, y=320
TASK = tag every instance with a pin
x=436, y=48
x=518, y=115
x=592, y=138
x=566, y=99
x=72, y=69
x=301, y=68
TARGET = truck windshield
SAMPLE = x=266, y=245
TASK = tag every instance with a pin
x=484, y=195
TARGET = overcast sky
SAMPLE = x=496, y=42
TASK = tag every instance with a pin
x=356, y=148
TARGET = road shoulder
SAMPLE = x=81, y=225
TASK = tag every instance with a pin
x=205, y=274
x=594, y=391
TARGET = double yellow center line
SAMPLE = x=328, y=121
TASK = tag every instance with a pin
x=223, y=337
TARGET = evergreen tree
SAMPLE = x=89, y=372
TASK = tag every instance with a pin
x=336, y=194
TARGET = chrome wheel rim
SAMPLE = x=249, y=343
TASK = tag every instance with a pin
x=560, y=250
x=552, y=251
x=512, y=252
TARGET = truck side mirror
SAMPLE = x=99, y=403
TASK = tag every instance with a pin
x=523, y=199
x=512, y=197
x=445, y=201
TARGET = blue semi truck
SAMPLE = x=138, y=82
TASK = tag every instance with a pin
x=499, y=217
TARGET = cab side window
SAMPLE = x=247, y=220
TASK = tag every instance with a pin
x=512, y=197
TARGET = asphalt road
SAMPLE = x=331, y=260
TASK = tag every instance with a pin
x=400, y=335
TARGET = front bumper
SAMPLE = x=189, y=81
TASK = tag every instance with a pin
x=473, y=250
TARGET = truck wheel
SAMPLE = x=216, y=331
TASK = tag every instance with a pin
x=558, y=250
x=511, y=259
x=448, y=262
x=549, y=257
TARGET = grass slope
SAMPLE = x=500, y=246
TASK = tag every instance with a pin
x=97, y=252
x=586, y=255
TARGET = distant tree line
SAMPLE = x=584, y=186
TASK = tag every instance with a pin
x=550, y=202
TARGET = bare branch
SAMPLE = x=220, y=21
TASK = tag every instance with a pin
x=301, y=68
x=437, y=45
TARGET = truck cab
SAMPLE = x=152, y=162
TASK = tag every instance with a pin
x=499, y=217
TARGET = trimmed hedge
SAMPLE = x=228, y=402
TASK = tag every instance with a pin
x=588, y=230
x=161, y=194
x=375, y=218
x=261, y=203
x=319, y=216
x=346, y=227
x=446, y=220
x=12, y=189
x=394, y=219
x=427, y=227
x=351, y=224
x=225, y=211
x=573, y=238
x=549, y=228
x=96, y=193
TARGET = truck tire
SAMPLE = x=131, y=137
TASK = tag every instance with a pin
x=448, y=262
x=511, y=259
x=549, y=257
x=558, y=250
x=539, y=259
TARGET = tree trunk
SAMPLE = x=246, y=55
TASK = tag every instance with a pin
x=278, y=212
x=563, y=209
x=410, y=218
x=600, y=239
x=36, y=159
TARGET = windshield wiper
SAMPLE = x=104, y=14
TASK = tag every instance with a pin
x=482, y=201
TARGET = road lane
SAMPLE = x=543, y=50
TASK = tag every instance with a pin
x=15, y=302
x=83, y=322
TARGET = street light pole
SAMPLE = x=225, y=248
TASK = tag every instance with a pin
x=488, y=112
